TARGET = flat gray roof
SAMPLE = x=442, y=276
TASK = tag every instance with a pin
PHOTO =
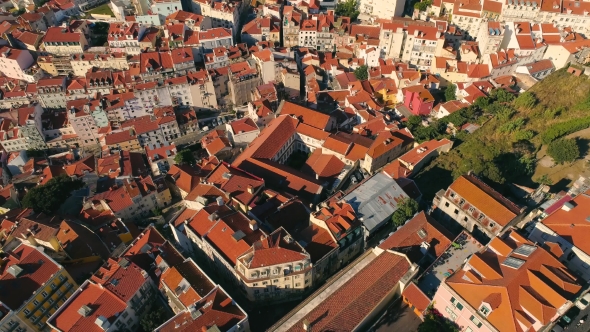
x=375, y=200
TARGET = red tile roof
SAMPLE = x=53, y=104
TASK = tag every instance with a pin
x=306, y=115
x=243, y=125
x=416, y=297
x=348, y=306
x=37, y=270
x=102, y=303
x=491, y=203
x=535, y=290
x=235, y=182
x=122, y=277
x=274, y=250
x=572, y=225
x=410, y=236
x=324, y=165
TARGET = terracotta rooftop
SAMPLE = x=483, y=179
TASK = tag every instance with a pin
x=573, y=224
x=528, y=285
x=491, y=203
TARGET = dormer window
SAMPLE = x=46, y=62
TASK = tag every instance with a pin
x=484, y=310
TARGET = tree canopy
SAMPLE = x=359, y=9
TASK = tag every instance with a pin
x=154, y=318
x=49, y=197
x=450, y=91
x=405, y=210
x=362, y=73
x=435, y=322
x=563, y=150
x=185, y=157
x=423, y=5
x=348, y=8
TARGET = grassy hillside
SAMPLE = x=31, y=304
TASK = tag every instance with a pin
x=504, y=149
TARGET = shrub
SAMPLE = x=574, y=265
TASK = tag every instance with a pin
x=526, y=100
x=451, y=92
x=511, y=126
x=405, y=210
x=362, y=73
x=564, y=128
x=563, y=150
x=523, y=135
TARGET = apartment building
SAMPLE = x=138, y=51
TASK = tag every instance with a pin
x=476, y=206
x=85, y=118
x=562, y=229
x=124, y=37
x=62, y=42
x=81, y=63
x=15, y=63
x=291, y=24
x=124, y=140
x=490, y=37
x=36, y=287
x=188, y=289
x=52, y=92
x=160, y=158
x=382, y=8
x=30, y=124
x=223, y=15
x=499, y=287
x=202, y=90
x=262, y=29
x=421, y=45
x=147, y=129
x=132, y=199
x=243, y=78
x=308, y=33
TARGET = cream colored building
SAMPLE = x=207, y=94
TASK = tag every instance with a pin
x=59, y=41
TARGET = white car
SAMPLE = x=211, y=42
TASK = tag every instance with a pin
x=583, y=302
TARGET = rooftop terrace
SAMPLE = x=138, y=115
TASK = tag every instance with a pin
x=450, y=261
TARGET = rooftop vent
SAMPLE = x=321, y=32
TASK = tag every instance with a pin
x=102, y=322
x=422, y=233
x=226, y=175
x=219, y=200
x=213, y=216
x=15, y=270
x=84, y=310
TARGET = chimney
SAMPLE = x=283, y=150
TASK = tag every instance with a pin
x=253, y=225
x=306, y=325
x=250, y=189
x=219, y=200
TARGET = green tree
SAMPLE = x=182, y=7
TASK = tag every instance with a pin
x=563, y=150
x=154, y=318
x=501, y=95
x=414, y=122
x=185, y=157
x=348, y=8
x=544, y=180
x=422, y=5
x=405, y=210
x=451, y=92
x=49, y=197
x=435, y=322
x=482, y=102
x=362, y=72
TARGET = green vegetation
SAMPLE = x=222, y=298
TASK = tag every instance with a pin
x=348, y=8
x=185, y=157
x=47, y=198
x=102, y=10
x=155, y=317
x=563, y=150
x=362, y=73
x=564, y=128
x=423, y=5
x=435, y=322
x=504, y=149
x=405, y=210
x=450, y=91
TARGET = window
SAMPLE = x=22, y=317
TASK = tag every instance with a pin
x=35, y=302
x=27, y=311
x=475, y=321
x=586, y=266
x=456, y=211
x=456, y=303
x=485, y=310
x=447, y=204
x=62, y=278
x=44, y=294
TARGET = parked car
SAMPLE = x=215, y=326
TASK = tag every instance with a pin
x=353, y=179
x=206, y=128
x=583, y=302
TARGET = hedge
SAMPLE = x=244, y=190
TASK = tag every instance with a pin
x=565, y=128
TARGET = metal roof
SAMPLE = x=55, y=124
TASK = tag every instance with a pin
x=375, y=200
